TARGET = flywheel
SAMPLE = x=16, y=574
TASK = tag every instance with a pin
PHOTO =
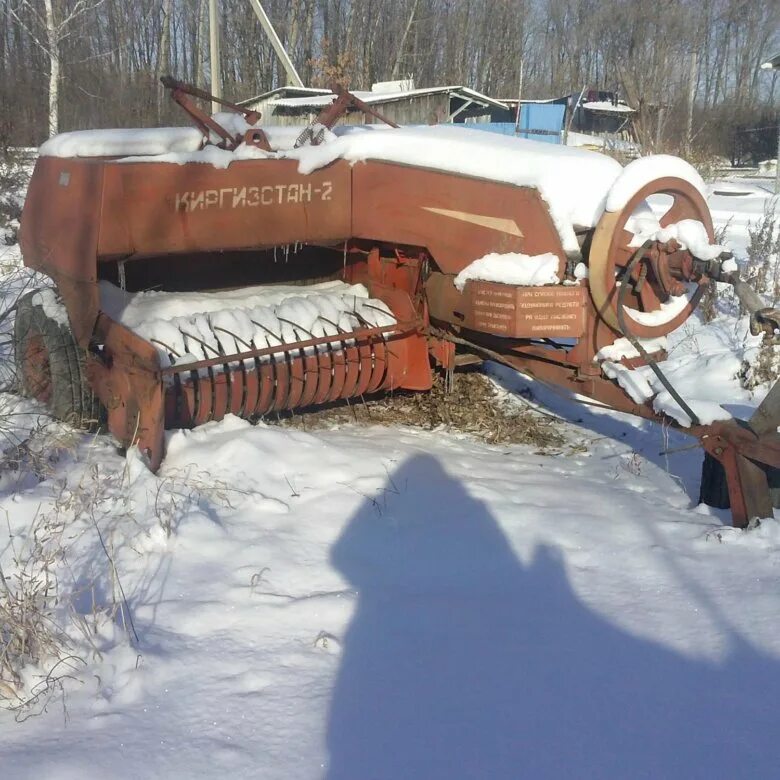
x=651, y=307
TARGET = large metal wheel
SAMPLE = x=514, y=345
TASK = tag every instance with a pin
x=50, y=366
x=611, y=253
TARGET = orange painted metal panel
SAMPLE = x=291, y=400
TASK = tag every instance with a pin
x=59, y=233
x=457, y=218
x=164, y=208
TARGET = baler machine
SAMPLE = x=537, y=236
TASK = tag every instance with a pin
x=379, y=244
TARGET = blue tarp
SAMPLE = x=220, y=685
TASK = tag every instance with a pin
x=545, y=117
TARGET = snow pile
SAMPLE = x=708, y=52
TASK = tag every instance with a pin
x=52, y=306
x=209, y=155
x=187, y=327
x=641, y=172
x=631, y=380
x=623, y=348
x=702, y=365
x=689, y=233
x=114, y=143
x=512, y=268
x=642, y=385
x=303, y=600
x=581, y=272
x=666, y=312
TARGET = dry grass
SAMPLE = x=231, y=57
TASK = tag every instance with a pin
x=29, y=632
x=472, y=406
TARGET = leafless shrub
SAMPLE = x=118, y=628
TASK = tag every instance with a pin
x=763, y=262
x=14, y=176
x=48, y=629
x=763, y=272
x=179, y=492
x=706, y=162
x=30, y=635
x=715, y=294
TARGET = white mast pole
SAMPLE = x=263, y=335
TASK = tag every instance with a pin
x=214, y=56
x=292, y=75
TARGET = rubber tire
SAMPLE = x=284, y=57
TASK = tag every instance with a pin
x=714, y=491
x=70, y=397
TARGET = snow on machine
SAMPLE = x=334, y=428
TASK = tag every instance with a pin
x=231, y=268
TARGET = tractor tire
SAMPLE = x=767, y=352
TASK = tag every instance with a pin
x=51, y=365
x=714, y=491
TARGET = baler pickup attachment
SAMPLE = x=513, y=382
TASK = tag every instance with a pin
x=298, y=347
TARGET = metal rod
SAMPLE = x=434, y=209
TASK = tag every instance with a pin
x=292, y=74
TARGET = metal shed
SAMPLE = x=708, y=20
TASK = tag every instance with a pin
x=398, y=101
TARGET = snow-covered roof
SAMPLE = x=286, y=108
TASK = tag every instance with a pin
x=285, y=91
x=606, y=107
x=371, y=98
x=534, y=101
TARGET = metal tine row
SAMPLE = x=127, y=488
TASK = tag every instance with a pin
x=339, y=337
x=274, y=381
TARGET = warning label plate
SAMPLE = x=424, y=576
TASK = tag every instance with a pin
x=526, y=312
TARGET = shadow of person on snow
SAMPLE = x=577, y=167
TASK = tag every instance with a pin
x=462, y=662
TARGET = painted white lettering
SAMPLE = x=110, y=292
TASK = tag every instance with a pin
x=239, y=197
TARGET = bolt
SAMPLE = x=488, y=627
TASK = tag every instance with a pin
x=719, y=450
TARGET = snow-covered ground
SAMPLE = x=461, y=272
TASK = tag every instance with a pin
x=370, y=602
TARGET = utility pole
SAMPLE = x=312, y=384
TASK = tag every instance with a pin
x=214, y=55
x=519, y=98
x=773, y=64
x=692, y=79
x=292, y=75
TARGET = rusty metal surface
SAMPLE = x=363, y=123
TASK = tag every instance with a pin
x=295, y=375
x=457, y=219
x=745, y=457
x=59, y=234
x=610, y=253
x=36, y=370
x=158, y=208
x=124, y=371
